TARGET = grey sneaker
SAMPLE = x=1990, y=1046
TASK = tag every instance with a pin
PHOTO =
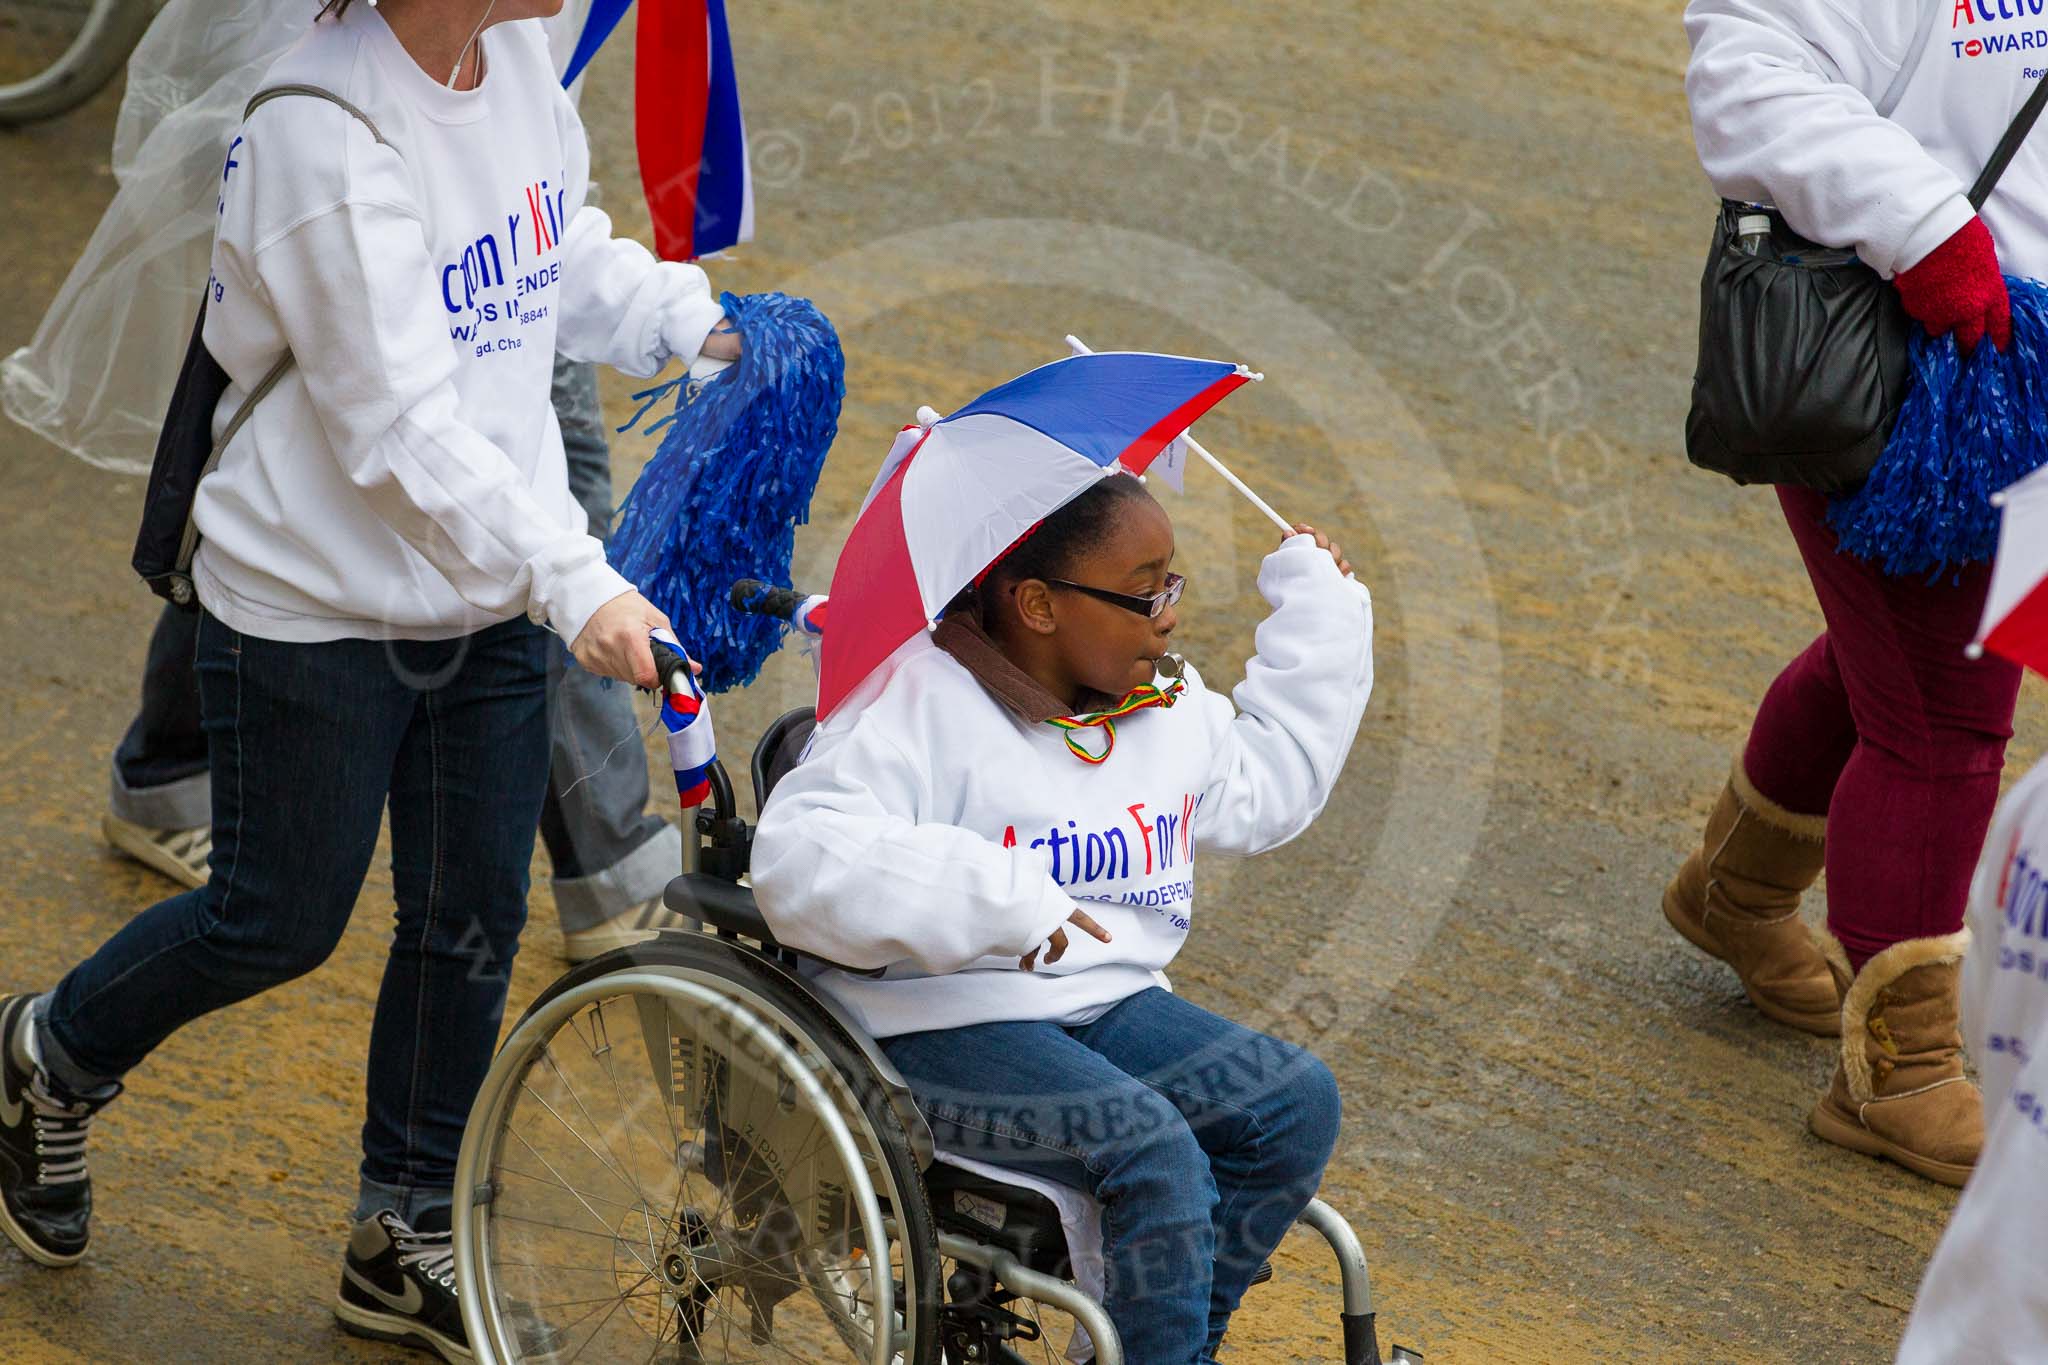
x=635, y=924
x=180, y=854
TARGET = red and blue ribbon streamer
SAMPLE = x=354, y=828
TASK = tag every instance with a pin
x=598, y=24
x=692, y=138
x=687, y=121
x=692, y=746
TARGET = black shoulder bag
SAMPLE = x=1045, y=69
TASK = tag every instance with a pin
x=185, y=449
x=1802, y=360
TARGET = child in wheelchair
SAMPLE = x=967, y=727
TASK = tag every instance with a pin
x=1007, y=830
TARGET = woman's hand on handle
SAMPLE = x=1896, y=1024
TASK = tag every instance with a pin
x=1056, y=946
x=1302, y=528
x=614, y=641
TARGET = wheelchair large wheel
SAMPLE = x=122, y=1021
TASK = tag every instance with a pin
x=677, y=1157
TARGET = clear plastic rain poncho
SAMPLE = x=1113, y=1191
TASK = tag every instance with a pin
x=98, y=375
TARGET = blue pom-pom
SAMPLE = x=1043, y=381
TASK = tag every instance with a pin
x=732, y=480
x=1968, y=428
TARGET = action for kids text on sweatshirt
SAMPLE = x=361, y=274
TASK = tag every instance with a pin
x=938, y=835
x=406, y=478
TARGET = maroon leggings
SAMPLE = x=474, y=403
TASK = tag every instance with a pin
x=1886, y=726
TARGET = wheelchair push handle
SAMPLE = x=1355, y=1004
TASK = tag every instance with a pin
x=765, y=599
x=803, y=610
x=671, y=667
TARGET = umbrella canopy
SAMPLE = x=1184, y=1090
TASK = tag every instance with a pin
x=2015, y=620
x=953, y=496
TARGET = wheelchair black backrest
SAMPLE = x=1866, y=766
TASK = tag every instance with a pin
x=781, y=745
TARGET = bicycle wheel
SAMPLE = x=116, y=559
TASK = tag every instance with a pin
x=57, y=54
x=675, y=1158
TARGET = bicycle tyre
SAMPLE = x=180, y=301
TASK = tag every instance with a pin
x=99, y=52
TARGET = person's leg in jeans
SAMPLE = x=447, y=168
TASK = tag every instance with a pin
x=1202, y=1139
x=157, y=802
x=465, y=795
x=611, y=859
x=1265, y=1111
x=303, y=738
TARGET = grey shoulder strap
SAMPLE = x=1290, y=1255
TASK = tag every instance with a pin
x=1897, y=89
x=190, y=542
x=269, y=93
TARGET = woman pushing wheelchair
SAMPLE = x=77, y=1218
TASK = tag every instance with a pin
x=381, y=541
x=997, y=831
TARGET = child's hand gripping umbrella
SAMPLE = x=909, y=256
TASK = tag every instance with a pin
x=954, y=494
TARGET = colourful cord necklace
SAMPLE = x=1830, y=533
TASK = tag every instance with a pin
x=1137, y=699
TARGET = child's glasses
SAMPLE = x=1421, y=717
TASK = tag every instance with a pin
x=1143, y=606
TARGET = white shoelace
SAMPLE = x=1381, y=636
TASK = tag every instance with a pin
x=60, y=1136
x=433, y=1253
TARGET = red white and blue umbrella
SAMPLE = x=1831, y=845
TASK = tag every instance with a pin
x=2015, y=622
x=953, y=495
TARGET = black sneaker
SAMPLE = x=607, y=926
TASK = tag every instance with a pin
x=398, y=1284
x=45, y=1193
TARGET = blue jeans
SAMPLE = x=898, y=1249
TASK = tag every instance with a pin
x=607, y=852
x=1202, y=1139
x=308, y=742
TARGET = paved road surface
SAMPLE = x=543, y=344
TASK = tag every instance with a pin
x=1461, y=241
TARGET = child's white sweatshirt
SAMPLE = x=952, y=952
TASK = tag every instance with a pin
x=407, y=478
x=936, y=833
x=1984, y=1299
x=1784, y=97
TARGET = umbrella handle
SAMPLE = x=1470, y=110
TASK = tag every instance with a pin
x=1078, y=347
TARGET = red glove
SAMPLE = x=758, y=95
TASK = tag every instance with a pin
x=1958, y=288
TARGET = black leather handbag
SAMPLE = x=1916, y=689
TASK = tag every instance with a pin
x=1802, y=350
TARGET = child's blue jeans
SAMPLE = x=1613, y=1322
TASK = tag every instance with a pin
x=1202, y=1139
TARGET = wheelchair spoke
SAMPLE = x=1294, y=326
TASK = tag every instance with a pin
x=749, y=1206
x=626, y=1112
x=556, y=1184
x=607, y=1165
x=608, y=1158
x=596, y=1331
x=653, y=1293
x=578, y=1196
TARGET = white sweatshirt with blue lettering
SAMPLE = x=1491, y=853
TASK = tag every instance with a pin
x=406, y=478
x=1785, y=97
x=938, y=835
x=1984, y=1299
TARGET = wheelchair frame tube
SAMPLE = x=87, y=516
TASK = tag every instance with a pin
x=1361, y=1344
x=1045, y=1289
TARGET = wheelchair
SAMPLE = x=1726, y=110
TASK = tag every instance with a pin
x=683, y=1152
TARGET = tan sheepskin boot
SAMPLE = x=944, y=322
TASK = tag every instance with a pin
x=1899, y=1090
x=1737, y=898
